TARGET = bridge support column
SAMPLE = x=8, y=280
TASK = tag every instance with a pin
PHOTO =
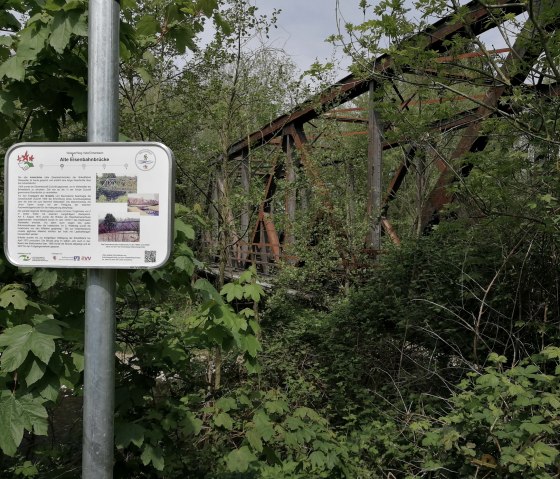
x=214, y=215
x=374, y=173
x=291, y=194
x=245, y=213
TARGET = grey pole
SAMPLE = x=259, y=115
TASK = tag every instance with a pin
x=99, y=373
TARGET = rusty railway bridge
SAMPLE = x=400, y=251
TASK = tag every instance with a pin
x=290, y=139
x=120, y=183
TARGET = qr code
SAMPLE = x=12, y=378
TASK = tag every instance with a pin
x=150, y=256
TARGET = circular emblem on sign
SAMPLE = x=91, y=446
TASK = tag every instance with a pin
x=145, y=160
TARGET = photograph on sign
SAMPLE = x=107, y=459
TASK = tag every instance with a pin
x=88, y=205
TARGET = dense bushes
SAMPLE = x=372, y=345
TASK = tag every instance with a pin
x=440, y=363
x=412, y=367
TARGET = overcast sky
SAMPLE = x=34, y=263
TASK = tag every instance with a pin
x=303, y=26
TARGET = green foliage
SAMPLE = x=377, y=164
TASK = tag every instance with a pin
x=109, y=222
x=397, y=369
x=23, y=339
x=279, y=440
x=34, y=361
x=169, y=356
x=43, y=62
x=503, y=420
x=49, y=54
x=19, y=413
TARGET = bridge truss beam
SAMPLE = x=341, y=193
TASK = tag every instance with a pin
x=288, y=132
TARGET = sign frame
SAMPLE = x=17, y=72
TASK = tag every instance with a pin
x=164, y=247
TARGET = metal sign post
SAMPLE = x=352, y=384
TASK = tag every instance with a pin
x=102, y=204
x=99, y=373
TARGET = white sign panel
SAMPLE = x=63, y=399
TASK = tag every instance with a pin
x=88, y=205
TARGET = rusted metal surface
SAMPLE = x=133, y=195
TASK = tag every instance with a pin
x=464, y=56
x=313, y=173
x=266, y=245
x=270, y=188
x=291, y=193
x=263, y=254
x=519, y=61
x=388, y=228
x=374, y=173
x=245, y=213
x=300, y=141
x=398, y=177
x=476, y=16
x=272, y=235
x=344, y=119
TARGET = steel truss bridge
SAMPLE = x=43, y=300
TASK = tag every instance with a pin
x=120, y=183
x=292, y=138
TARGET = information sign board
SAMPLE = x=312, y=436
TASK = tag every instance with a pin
x=89, y=205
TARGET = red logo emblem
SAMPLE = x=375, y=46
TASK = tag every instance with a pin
x=25, y=161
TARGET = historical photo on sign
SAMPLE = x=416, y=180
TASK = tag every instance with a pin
x=144, y=203
x=111, y=188
x=118, y=230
